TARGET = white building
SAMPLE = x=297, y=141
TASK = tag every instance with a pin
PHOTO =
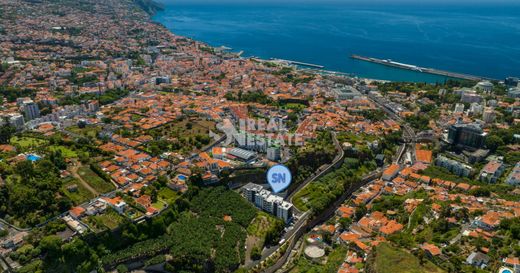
x=116, y=203
x=32, y=111
x=476, y=108
x=454, y=166
x=16, y=121
x=268, y=202
x=274, y=153
x=485, y=86
x=492, y=171
x=459, y=108
x=489, y=115
x=514, y=176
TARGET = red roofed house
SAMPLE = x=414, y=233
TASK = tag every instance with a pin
x=431, y=250
x=391, y=227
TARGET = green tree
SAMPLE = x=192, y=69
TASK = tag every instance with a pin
x=493, y=142
x=6, y=132
x=122, y=268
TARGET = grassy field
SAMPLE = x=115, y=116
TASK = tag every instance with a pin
x=158, y=205
x=261, y=225
x=66, y=152
x=390, y=259
x=438, y=172
x=89, y=131
x=187, y=128
x=167, y=195
x=94, y=180
x=318, y=193
x=28, y=142
x=79, y=196
x=109, y=220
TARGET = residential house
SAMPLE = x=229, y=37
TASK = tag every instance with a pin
x=492, y=171
x=478, y=259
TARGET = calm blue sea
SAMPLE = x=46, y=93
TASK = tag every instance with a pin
x=478, y=39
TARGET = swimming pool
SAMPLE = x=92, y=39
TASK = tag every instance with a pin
x=32, y=157
x=181, y=177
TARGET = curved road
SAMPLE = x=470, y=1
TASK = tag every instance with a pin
x=301, y=229
x=339, y=156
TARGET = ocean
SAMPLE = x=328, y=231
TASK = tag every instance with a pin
x=477, y=39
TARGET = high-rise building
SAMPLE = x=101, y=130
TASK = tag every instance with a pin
x=512, y=81
x=273, y=153
x=475, y=108
x=470, y=97
x=466, y=135
x=459, y=108
x=268, y=202
x=32, y=111
x=16, y=121
x=454, y=166
x=489, y=115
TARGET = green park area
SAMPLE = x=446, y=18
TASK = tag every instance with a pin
x=75, y=191
x=65, y=151
x=390, y=259
x=108, y=220
x=322, y=192
x=167, y=195
x=26, y=143
x=180, y=136
x=186, y=127
x=94, y=180
x=88, y=131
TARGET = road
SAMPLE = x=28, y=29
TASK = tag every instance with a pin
x=339, y=156
x=409, y=135
x=289, y=235
x=299, y=231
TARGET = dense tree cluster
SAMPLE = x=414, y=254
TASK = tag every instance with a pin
x=32, y=193
x=257, y=97
x=312, y=156
x=193, y=238
x=12, y=93
x=219, y=202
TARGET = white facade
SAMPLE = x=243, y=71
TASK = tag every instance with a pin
x=489, y=115
x=273, y=153
x=268, y=202
x=459, y=108
x=32, y=111
x=514, y=176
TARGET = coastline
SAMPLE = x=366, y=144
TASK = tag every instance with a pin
x=236, y=26
x=319, y=71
